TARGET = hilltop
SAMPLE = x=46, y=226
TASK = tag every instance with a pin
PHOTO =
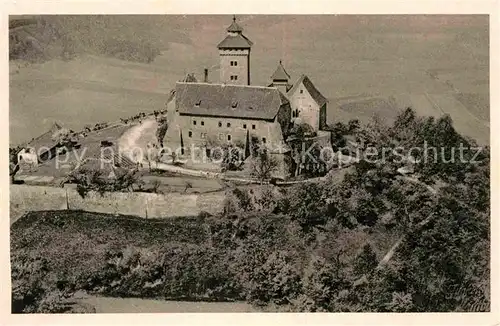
x=364, y=65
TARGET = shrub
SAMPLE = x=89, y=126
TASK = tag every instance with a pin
x=269, y=277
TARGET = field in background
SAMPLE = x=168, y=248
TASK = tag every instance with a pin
x=364, y=65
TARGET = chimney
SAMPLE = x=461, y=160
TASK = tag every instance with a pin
x=205, y=79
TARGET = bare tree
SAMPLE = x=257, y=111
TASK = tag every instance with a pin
x=263, y=166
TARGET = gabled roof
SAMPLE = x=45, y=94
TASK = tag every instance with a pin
x=236, y=101
x=313, y=91
x=238, y=41
x=280, y=73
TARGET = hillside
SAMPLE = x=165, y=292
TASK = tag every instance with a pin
x=436, y=64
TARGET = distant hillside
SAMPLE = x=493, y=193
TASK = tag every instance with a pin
x=41, y=38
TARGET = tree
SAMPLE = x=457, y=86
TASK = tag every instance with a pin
x=366, y=261
x=232, y=158
x=263, y=166
x=162, y=130
x=88, y=179
x=13, y=162
x=61, y=136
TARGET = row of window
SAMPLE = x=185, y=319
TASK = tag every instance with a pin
x=203, y=135
x=227, y=124
x=234, y=77
x=295, y=113
x=234, y=63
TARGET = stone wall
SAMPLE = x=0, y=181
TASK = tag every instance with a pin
x=24, y=198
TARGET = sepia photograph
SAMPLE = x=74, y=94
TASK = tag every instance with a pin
x=255, y=163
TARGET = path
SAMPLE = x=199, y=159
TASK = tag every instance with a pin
x=137, y=138
x=136, y=305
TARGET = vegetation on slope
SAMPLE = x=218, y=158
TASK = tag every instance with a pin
x=375, y=241
x=42, y=38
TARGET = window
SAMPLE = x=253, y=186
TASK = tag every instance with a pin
x=202, y=123
x=220, y=124
x=253, y=126
x=264, y=140
x=244, y=126
x=234, y=104
x=194, y=122
x=190, y=134
x=301, y=91
x=234, y=77
x=234, y=63
x=228, y=124
x=229, y=137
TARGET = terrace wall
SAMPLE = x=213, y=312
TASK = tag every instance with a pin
x=24, y=198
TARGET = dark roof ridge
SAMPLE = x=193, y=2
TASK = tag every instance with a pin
x=308, y=84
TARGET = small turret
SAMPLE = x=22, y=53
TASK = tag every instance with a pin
x=280, y=78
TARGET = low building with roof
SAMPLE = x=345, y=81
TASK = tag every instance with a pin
x=209, y=114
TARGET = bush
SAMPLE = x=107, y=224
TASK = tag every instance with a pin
x=273, y=279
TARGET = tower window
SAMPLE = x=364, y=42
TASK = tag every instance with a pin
x=194, y=122
x=234, y=63
x=190, y=134
x=228, y=124
x=244, y=126
x=301, y=91
x=253, y=126
x=229, y=137
x=202, y=123
x=220, y=124
x=264, y=140
x=234, y=77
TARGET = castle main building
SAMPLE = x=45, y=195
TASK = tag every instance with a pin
x=233, y=110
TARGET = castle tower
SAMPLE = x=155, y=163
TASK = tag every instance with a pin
x=234, y=53
x=280, y=79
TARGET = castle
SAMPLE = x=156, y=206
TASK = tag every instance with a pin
x=234, y=110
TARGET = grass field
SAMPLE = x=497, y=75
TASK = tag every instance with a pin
x=409, y=58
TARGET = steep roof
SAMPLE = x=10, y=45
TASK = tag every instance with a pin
x=313, y=91
x=280, y=73
x=237, y=101
x=234, y=27
x=238, y=41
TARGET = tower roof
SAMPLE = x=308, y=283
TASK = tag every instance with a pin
x=280, y=73
x=239, y=41
x=234, y=27
x=235, y=38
